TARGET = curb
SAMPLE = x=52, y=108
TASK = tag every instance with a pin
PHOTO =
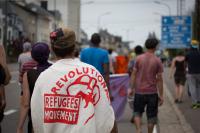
x=184, y=124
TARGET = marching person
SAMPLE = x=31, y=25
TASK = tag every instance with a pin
x=3, y=82
x=178, y=67
x=39, y=53
x=70, y=96
x=147, y=86
x=193, y=76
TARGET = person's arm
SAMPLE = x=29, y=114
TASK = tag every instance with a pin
x=3, y=97
x=24, y=104
x=106, y=70
x=4, y=64
x=172, y=68
x=104, y=113
x=159, y=78
x=3, y=56
x=132, y=82
x=107, y=77
x=160, y=88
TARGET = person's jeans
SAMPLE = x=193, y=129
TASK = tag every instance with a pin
x=193, y=81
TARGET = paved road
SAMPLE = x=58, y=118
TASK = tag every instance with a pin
x=191, y=116
x=12, y=95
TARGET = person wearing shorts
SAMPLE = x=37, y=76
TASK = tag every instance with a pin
x=179, y=66
x=147, y=86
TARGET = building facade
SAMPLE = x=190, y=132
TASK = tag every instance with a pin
x=70, y=11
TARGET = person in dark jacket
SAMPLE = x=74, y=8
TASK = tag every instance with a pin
x=193, y=76
x=40, y=53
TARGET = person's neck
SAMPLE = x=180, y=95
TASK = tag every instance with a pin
x=94, y=45
x=151, y=50
x=66, y=57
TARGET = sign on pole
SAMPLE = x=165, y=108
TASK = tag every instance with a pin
x=176, y=31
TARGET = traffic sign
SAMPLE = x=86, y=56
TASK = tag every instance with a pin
x=176, y=31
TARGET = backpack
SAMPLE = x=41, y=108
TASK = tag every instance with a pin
x=32, y=76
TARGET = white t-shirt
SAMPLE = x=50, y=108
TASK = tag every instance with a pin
x=71, y=97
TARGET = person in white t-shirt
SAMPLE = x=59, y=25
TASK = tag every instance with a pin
x=70, y=96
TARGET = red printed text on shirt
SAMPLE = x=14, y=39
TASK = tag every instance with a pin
x=61, y=108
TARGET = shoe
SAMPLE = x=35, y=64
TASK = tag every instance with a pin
x=176, y=101
x=194, y=106
x=132, y=120
x=198, y=105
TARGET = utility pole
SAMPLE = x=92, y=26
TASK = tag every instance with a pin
x=180, y=7
x=55, y=17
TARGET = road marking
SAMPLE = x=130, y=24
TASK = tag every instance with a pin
x=155, y=129
x=13, y=81
x=9, y=112
x=14, y=72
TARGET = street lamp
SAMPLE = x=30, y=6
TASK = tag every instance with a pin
x=99, y=19
x=161, y=3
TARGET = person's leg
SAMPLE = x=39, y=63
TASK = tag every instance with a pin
x=152, y=111
x=139, y=104
x=115, y=129
x=150, y=127
x=138, y=124
x=192, y=86
x=198, y=89
x=176, y=80
x=181, y=88
x=176, y=93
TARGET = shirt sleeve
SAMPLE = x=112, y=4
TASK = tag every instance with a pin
x=104, y=113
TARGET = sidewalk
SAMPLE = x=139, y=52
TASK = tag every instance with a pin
x=171, y=120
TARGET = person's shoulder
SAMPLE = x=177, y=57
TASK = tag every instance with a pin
x=86, y=49
x=140, y=56
x=103, y=51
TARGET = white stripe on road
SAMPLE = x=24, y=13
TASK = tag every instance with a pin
x=155, y=129
x=13, y=81
x=14, y=72
x=9, y=112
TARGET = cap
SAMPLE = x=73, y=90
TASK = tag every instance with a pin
x=40, y=52
x=63, y=38
x=194, y=43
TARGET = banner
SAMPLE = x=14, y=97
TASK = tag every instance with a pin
x=119, y=84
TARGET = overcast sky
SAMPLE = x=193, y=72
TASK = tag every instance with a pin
x=131, y=19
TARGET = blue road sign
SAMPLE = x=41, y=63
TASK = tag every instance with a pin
x=176, y=31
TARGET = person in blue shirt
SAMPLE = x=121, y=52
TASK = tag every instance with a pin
x=96, y=56
x=99, y=58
